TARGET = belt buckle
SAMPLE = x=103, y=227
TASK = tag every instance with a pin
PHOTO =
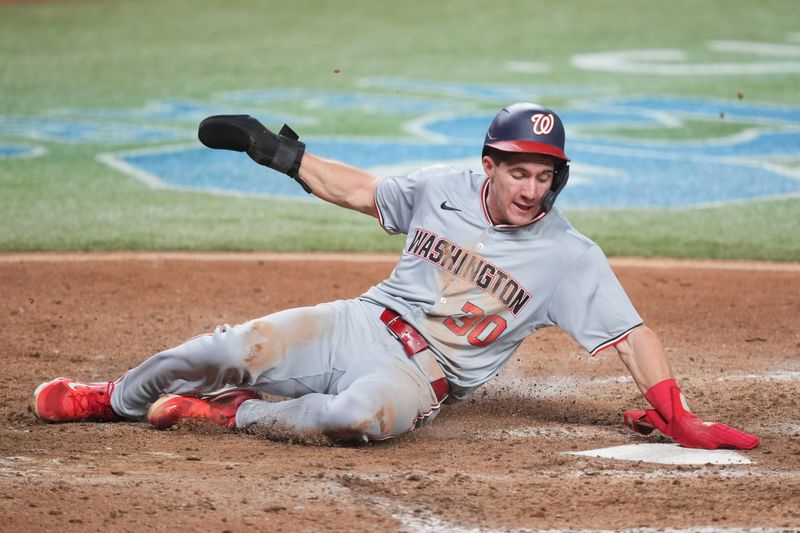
x=391, y=331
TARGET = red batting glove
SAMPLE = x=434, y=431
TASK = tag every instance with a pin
x=672, y=417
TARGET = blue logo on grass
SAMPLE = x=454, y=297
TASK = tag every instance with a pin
x=607, y=172
x=446, y=122
x=19, y=151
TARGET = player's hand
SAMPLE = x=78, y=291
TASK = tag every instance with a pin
x=673, y=418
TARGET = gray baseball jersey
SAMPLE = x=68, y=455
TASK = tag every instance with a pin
x=476, y=290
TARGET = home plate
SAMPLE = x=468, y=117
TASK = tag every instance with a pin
x=667, y=454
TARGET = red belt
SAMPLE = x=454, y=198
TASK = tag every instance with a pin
x=413, y=343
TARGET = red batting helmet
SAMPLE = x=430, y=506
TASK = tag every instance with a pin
x=532, y=129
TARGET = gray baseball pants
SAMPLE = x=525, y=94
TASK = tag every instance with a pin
x=346, y=377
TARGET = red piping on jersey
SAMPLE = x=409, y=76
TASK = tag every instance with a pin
x=378, y=209
x=485, y=195
x=375, y=203
x=613, y=341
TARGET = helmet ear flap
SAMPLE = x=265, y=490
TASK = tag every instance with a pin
x=548, y=201
x=559, y=182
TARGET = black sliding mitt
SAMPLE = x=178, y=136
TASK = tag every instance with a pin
x=282, y=151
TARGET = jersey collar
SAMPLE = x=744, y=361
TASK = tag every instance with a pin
x=485, y=199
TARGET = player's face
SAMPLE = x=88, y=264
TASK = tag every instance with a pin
x=516, y=188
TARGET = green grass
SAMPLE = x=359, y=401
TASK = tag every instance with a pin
x=126, y=53
x=715, y=233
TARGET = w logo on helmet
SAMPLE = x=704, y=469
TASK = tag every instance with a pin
x=542, y=124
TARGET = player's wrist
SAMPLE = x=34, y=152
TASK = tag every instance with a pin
x=667, y=399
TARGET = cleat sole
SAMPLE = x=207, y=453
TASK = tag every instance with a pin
x=156, y=405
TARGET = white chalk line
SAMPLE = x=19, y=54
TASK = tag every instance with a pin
x=558, y=432
x=360, y=257
x=559, y=386
x=424, y=520
x=780, y=375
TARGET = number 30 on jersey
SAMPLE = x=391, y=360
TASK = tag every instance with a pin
x=479, y=328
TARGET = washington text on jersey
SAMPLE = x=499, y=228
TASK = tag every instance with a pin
x=471, y=268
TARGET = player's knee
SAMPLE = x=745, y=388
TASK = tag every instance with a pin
x=350, y=418
x=210, y=353
x=224, y=343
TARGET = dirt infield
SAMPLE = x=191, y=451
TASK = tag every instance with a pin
x=495, y=462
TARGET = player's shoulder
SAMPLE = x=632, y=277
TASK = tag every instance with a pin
x=571, y=242
x=439, y=172
x=443, y=177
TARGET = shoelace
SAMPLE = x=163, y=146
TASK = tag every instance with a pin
x=90, y=400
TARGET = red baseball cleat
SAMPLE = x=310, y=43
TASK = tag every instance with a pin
x=67, y=400
x=219, y=409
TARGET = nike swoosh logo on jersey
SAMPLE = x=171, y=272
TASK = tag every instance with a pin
x=448, y=208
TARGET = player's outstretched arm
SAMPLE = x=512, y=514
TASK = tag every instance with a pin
x=332, y=181
x=340, y=184
x=642, y=354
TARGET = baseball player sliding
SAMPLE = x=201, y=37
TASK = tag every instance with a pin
x=488, y=261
